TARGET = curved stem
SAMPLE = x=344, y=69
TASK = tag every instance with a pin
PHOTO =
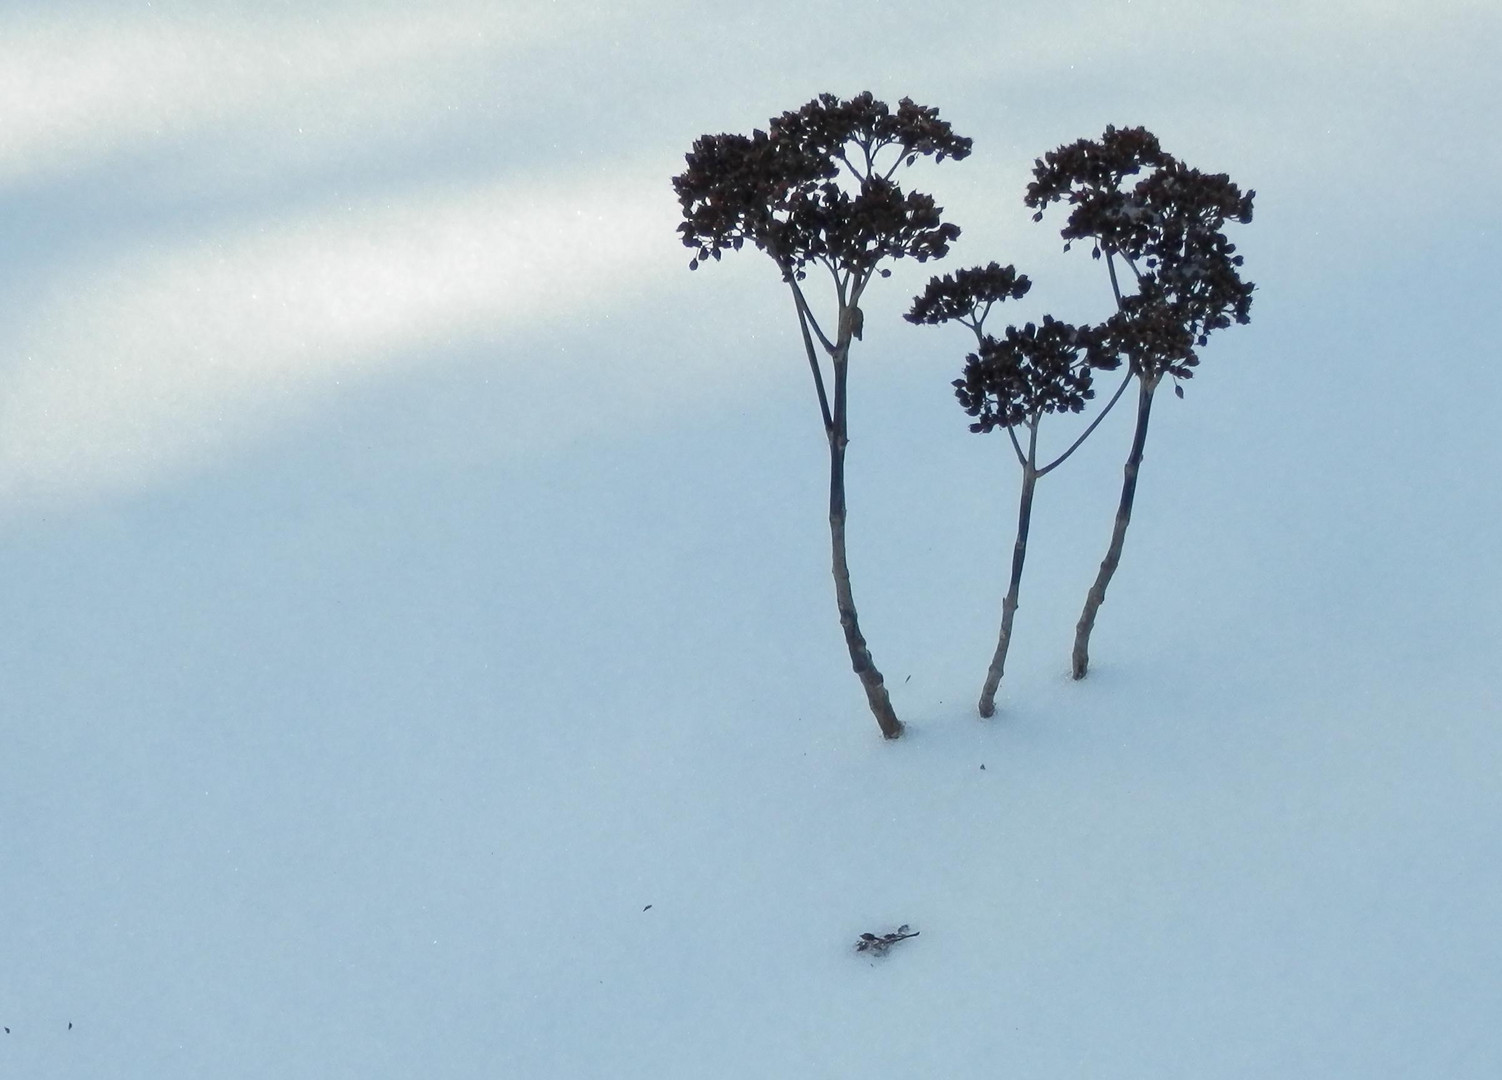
x=1017, y=446
x=813, y=361
x=858, y=283
x=805, y=313
x=1111, y=269
x=1056, y=462
x=1080, y=661
x=987, y=706
x=855, y=642
x=849, y=164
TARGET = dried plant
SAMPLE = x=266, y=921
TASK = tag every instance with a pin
x=878, y=944
x=1166, y=229
x=817, y=190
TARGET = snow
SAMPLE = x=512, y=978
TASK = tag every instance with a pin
x=358, y=742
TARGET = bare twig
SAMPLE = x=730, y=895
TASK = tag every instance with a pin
x=1056, y=462
x=878, y=944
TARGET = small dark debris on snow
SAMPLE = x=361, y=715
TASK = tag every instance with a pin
x=982, y=766
x=647, y=908
x=908, y=679
x=878, y=945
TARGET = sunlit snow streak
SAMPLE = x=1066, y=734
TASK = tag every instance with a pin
x=168, y=347
x=151, y=362
x=79, y=86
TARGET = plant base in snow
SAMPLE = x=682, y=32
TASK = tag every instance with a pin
x=878, y=944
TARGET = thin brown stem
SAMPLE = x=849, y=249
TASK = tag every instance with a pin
x=1111, y=269
x=987, y=706
x=849, y=164
x=1056, y=462
x=860, y=654
x=1080, y=661
x=813, y=362
x=804, y=312
x=1017, y=447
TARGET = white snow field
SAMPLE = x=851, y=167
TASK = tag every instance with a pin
x=419, y=656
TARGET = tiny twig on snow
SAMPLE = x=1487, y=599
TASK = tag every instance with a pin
x=878, y=944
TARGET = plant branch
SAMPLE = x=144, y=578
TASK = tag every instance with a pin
x=858, y=286
x=850, y=165
x=805, y=313
x=1111, y=268
x=1017, y=447
x=813, y=361
x=1051, y=466
x=902, y=153
x=1080, y=659
x=834, y=271
x=987, y=704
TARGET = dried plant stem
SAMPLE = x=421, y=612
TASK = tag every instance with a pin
x=1030, y=474
x=860, y=655
x=835, y=430
x=1097, y=595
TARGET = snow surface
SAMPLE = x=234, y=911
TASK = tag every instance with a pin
x=420, y=679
